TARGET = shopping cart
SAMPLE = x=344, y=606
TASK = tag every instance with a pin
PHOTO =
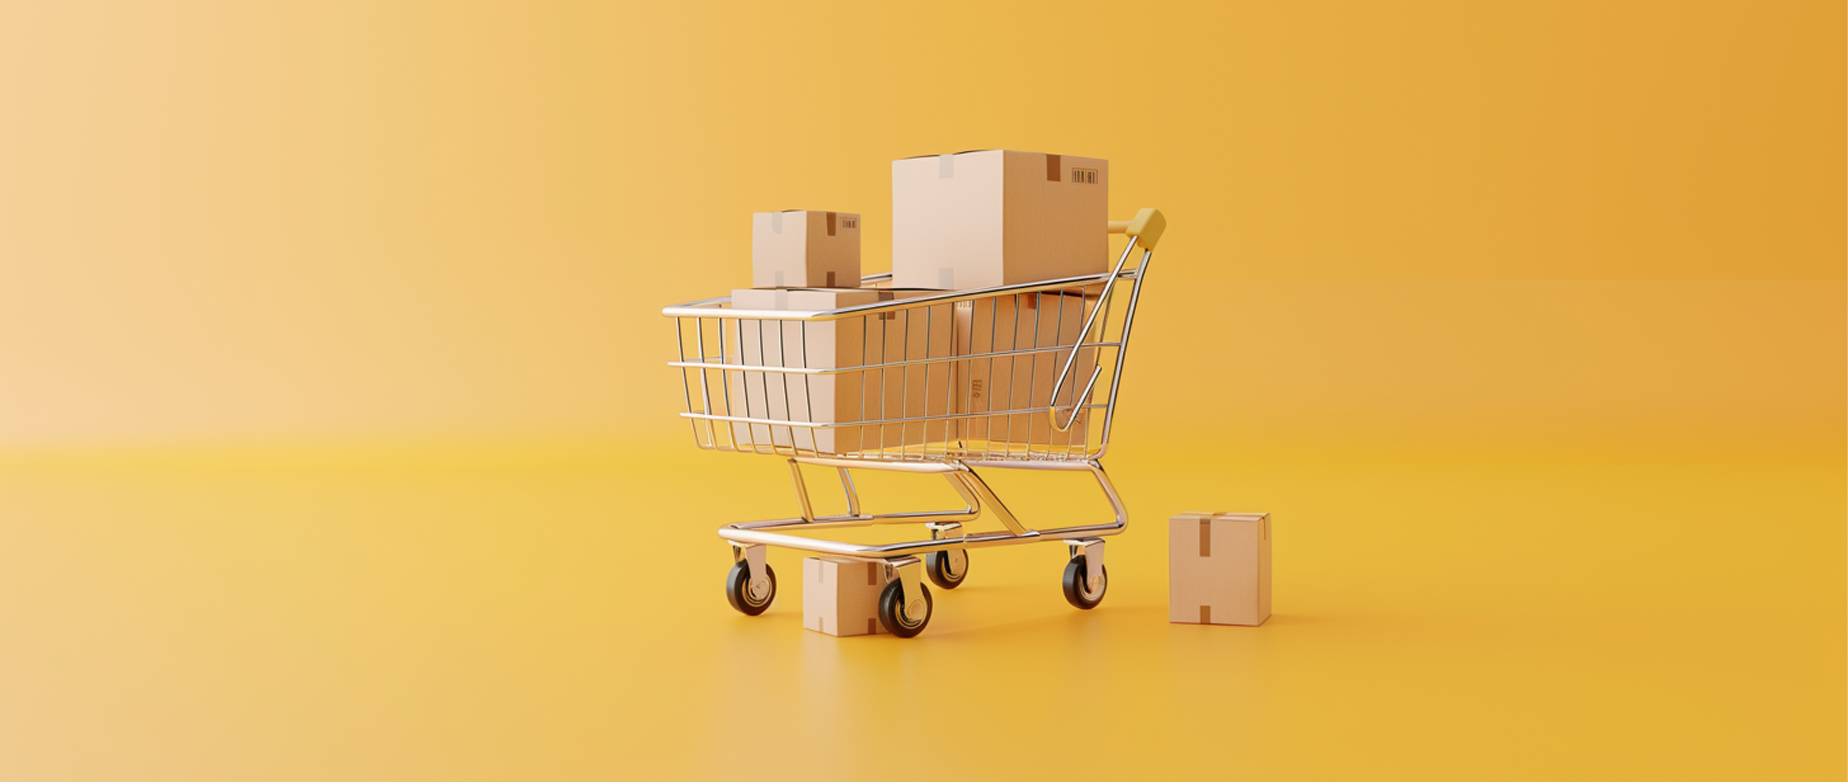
x=921, y=382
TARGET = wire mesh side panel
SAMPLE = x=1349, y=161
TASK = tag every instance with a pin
x=877, y=386
x=1012, y=350
x=972, y=379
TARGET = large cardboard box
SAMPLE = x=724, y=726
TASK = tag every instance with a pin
x=805, y=249
x=881, y=393
x=990, y=386
x=1219, y=568
x=997, y=217
x=840, y=597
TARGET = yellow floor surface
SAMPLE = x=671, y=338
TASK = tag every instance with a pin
x=558, y=614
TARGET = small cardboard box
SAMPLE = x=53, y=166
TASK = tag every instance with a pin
x=990, y=385
x=1219, y=568
x=877, y=394
x=998, y=217
x=805, y=249
x=840, y=597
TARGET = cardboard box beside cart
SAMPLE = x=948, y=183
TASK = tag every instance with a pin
x=1219, y=568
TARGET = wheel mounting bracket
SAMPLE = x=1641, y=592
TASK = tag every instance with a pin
x=753, y=555
x=910, y=572
x=1092, y=549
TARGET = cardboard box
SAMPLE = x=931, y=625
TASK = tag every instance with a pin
x=999, y=384
x=846, y=397
x=840, y=597
x=1219, y=568
x=805, y=249
x=998, y=217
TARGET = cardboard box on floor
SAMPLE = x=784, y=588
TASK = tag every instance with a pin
x=997, y=217
x=1219, y=568
x=840, y=597
x=876, y=394
x=799, y=248
x=988, y=387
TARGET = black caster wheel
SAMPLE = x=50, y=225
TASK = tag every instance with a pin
x=947, y=569
x=750, y=599
x=1079, y=593
x=900, y=618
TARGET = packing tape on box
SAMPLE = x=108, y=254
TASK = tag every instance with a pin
x=776, y=225
x=946, y=278
x=946, y=166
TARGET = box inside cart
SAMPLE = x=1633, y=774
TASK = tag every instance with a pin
x=799, y=248
x=872, y=388
x=997, y=217
x=998, y=379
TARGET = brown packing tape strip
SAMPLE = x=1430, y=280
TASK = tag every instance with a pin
x=1052, y=168
x=872, y=625
x=830, y=274
x=1206, y=537
x=1206, y=615
x=830, y=233
x=872, y=574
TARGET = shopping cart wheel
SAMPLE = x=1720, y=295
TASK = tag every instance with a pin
x=748, y=601
x=947, y=569
x=1079, y=593
x=899, y=618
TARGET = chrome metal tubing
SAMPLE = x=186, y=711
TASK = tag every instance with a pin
x=710, y=308
x=758, y=532
x=1072, y=360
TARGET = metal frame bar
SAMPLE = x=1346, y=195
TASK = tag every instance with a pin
x=710, y=308
x=969, y=485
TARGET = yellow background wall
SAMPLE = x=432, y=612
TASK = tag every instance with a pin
x=1566, y=230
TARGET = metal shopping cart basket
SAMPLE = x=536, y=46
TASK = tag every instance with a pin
x=949, y=383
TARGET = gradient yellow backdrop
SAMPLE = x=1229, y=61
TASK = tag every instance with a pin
x=335, y=439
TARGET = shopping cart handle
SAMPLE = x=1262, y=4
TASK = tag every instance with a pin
x=1147, y=227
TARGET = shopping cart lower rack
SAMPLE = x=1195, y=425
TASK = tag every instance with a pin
x=923, y=382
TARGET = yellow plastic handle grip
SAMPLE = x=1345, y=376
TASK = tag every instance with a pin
x=1147, y=227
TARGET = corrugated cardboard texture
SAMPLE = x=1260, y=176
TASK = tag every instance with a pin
x=840, y=597
x=1021, y=382
x=870, y=395
x=995, y=217
x=1219, y=568
x=805, y=249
